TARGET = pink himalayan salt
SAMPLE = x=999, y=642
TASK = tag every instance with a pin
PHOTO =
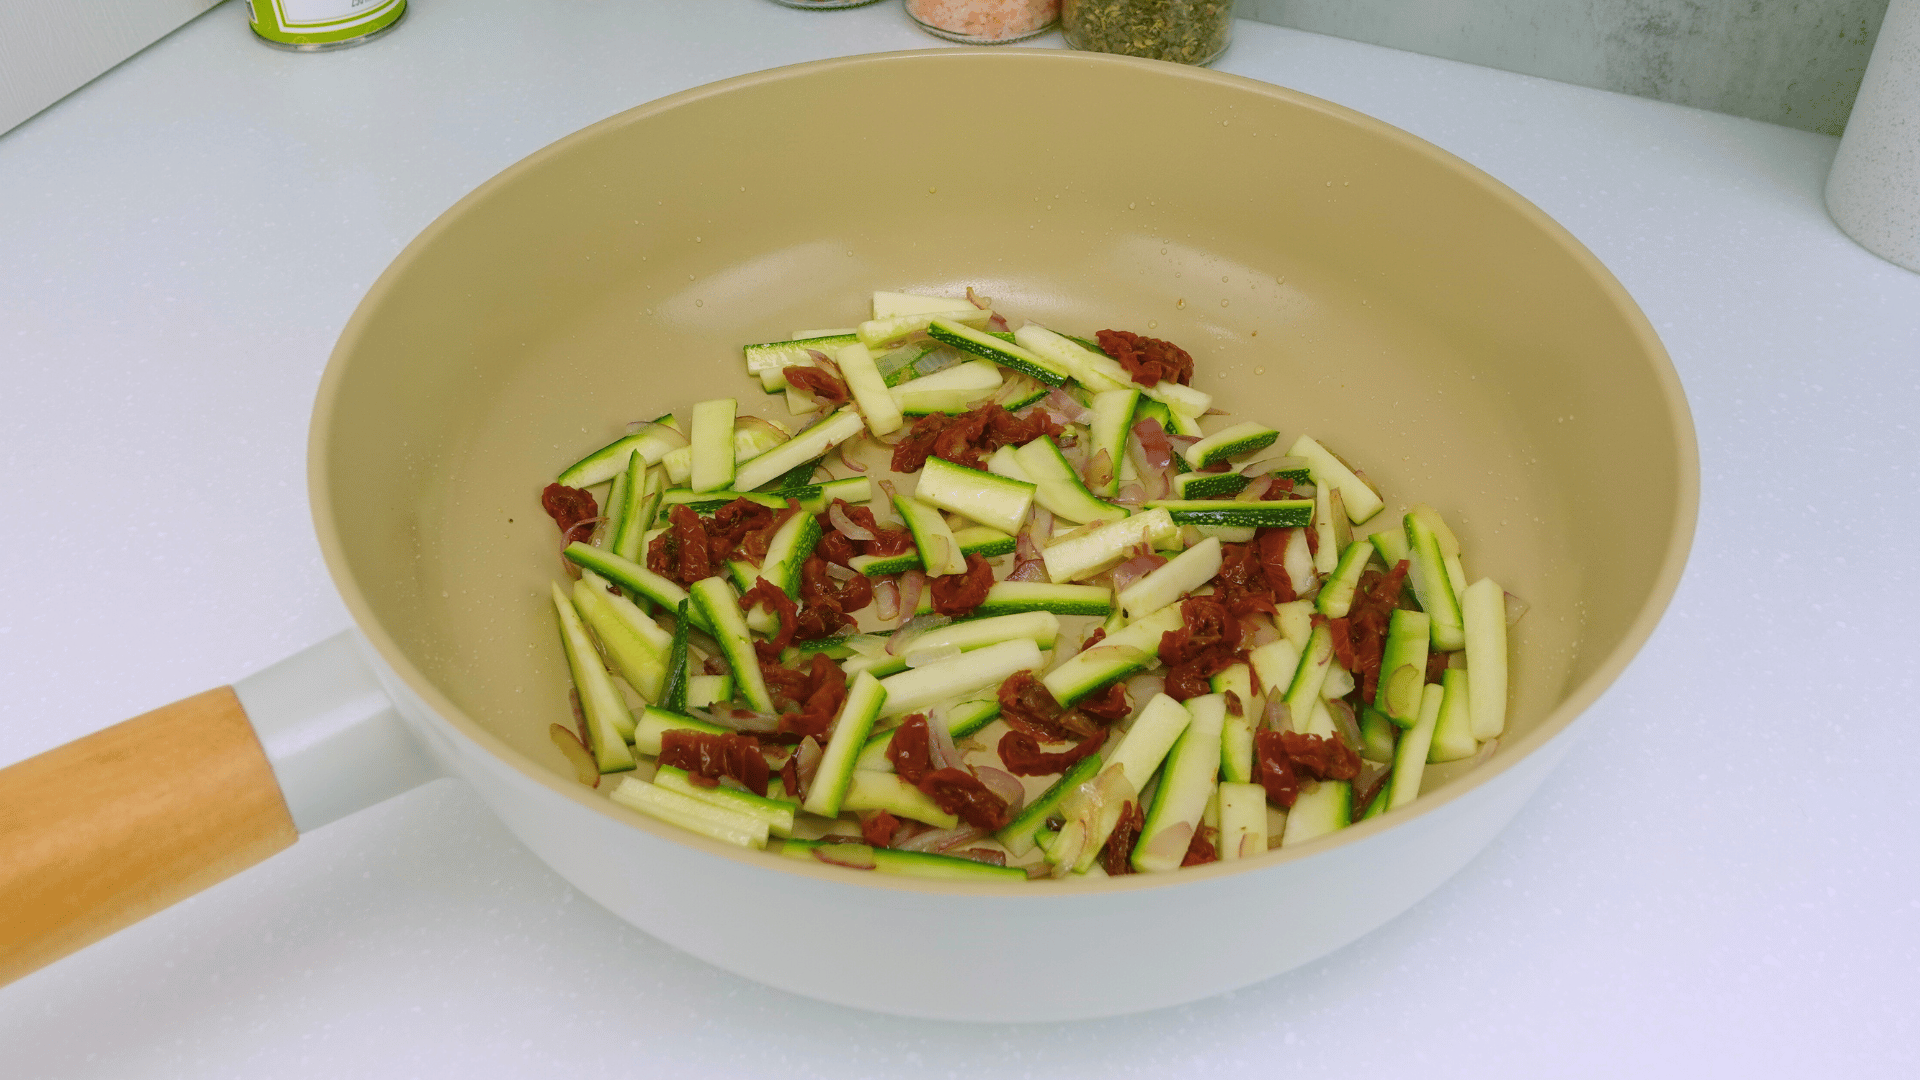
x=988, y=20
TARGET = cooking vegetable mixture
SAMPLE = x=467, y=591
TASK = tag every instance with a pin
x=1008, y=603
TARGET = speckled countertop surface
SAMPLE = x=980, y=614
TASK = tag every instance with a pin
x=1721, y=880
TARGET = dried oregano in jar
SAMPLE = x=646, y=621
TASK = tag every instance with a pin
x=1184, y=31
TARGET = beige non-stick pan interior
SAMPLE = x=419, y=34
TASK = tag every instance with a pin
x=1330, y=274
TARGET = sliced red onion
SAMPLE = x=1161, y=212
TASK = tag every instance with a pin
x=919, y=658
x=1156, y=449
x=1132, y=494
x=1260, y=630
x=845, y=525
x=998, y=323
x=941, y=739
x=588, y=524
x=1004, y=784
x=841, y=573
x=1181, y=444
x=585, y=769
x=1343, y=722
x=1076, y=456
x=1134, y=569
x=886, y=599
x=1142, y=688
x=748, y=420
x=1516, y=608
x=1216, y=412
x=934, y=840
x=1059, y=402
x=1027, y=570
x=912, y=583
x=990, y=856
x=672, y=435
x=849, y=458
x=984, y=303
x=1251, y=493
x=857, y=856
x=883, y=509
x=1278, y=716
x=938, y=360
x=1099, y=470
x=806, y=763
x=905, y=831
x=1067, y=847
x=902, y=638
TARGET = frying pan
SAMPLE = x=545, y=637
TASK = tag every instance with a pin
x=1332, y=275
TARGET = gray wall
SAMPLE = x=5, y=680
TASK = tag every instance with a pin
x=1792, y=62
x=50, y=48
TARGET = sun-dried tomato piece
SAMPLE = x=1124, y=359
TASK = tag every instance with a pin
x=683, y=551
x=1206, y=643
x=1117, y=856
x=782, y=606
x=1436, y=665
x=826, y=603
x=1022, y=756
x=1235, y=707
x=731, y=524
x=1201, y=849
x=968, y=438
x=1274, y=769
x=959, y=594
x=1027, y=705
x=825, y=389
x=877, y=828
x=707, y=757
x=1110, y=704
x=834, y=547
x=784, y=683
x=911, y=749
x=755, y=543
x=1273, y=562
x=962, y=794
x=1147, y=360
x=1374, y=602
x=1099, y=635
x=1241, y=583
x=826, y=694
x=568, y=507
x=790, y=776
x=1322, y=758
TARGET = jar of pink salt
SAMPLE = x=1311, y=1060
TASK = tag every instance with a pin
x=985, y=22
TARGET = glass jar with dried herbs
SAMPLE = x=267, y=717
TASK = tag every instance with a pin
x=1184, y=31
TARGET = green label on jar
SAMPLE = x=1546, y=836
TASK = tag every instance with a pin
x=310, y=23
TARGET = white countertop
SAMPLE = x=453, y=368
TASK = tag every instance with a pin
x=1723, y=879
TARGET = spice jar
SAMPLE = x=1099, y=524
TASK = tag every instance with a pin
x=823, y=3
x=984, y=22
x=1184, y=31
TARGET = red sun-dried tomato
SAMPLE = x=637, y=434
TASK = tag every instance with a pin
x=568, y=507
x=1274, y=769
x=959, y=594
x=1027, y=705
x=1241, y=583
x=826, y=604
x=1200, y=850
x=825, y=389
x=1322, y=758
x=730, y=525
x=1110, y=704
x=1374, y=602
x=1117, y=856
x=683, y=552
x=968, y=438
x=755, y=543
x=826, y=693
x=1147, y=360
x=708, y=757
x=911, y=749
x=1234, y=705
x=1273, y=564
x=877, y=828
x=834, y=547
x=885, y=541
x=1206, y=643
x=782, y=606
x=1022, y=756
x=961, y=794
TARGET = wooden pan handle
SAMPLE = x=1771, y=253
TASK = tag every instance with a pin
x=104, y=831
